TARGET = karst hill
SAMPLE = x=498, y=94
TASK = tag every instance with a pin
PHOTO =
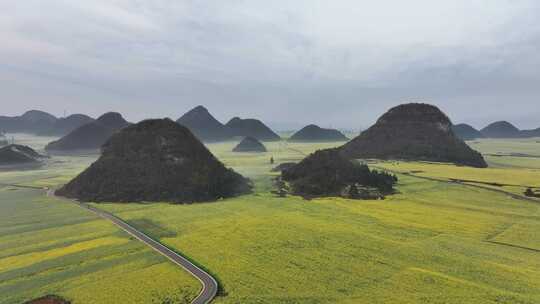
x=314, y=133
x=249, y=144
x=501, y=129
x=19, y=155
x=328, y=173
x=414, y=131
x=204, y=126
x=252, y=128
x=466, y=132
x=90, y=136
x=155, y=160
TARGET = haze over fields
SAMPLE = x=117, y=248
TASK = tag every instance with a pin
x=289, y=63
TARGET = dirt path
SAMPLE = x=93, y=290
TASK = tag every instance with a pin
x=463, y=183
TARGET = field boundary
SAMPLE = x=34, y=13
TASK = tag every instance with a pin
x=463, y=183
x=22, y=186
x=512, y=245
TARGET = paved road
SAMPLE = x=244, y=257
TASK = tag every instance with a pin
x=210, y=286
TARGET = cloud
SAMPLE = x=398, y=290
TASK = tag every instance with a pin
x=337, y=63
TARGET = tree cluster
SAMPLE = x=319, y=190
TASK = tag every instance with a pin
x=327, y=173
x=530, y=193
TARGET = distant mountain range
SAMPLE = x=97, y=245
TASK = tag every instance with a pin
x=208, y=129
x=42, y=123
x=498, y=129
x=466, y=132
x=90, y=136
x=204, y=126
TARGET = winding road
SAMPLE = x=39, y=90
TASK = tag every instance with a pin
x=209, y=284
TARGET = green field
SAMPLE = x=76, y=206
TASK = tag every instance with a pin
x=526, y=146
x=512, y=179
x=433, y=242
x=49, y=246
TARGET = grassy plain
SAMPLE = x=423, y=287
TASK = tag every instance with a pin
x=512, y=173
x=49, y=246
x=523, y=146
x=433, y=242
x=511, y=179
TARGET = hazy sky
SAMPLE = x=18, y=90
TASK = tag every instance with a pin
x=336, y=63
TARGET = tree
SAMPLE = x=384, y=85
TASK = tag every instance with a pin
x=282, y=188
x=353, y=191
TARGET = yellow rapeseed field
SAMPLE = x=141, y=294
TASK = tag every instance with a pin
x=432, y=242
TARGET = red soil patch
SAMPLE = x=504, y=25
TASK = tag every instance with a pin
x=50, y=299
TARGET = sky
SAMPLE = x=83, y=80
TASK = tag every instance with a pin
x=336, y=63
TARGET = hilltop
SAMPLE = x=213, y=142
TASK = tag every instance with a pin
x=414, y=131
x=155, y=160
x=314, y=133
x=252, y=128
x=90, y=136
x=203, y=125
